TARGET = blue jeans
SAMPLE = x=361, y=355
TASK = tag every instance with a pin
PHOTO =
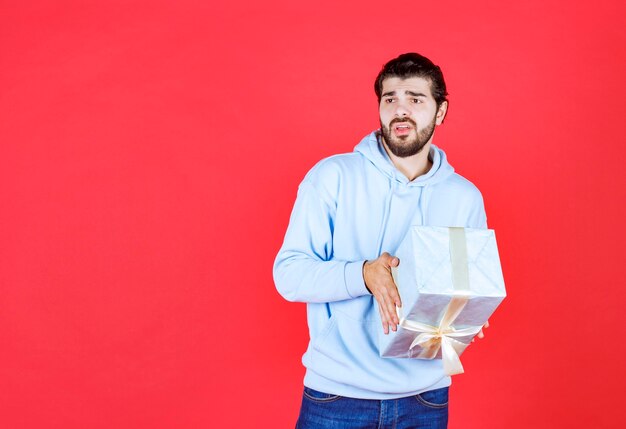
x=428, y=410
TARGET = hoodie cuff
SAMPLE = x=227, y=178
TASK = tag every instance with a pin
x=353, y=275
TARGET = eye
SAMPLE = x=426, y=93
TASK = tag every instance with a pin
x=416, y=100
x=388, y=100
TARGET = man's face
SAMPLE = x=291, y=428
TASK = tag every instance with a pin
x=408, y=115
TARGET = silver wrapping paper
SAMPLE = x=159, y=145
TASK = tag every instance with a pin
x=426, y=283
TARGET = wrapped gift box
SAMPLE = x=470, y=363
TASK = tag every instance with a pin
x=450, y=282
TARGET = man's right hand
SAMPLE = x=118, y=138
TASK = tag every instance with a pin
x=378, y=279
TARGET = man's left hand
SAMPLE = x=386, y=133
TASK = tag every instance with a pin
x=480, y=333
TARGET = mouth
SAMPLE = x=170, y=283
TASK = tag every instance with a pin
x=402, y=128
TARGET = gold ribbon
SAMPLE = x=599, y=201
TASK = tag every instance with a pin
x=433, y=338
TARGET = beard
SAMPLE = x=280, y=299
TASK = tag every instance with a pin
x=404, y=146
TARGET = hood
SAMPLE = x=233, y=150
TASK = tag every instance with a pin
x=372, y=148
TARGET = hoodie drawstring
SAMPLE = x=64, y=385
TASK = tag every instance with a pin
x=423, y=203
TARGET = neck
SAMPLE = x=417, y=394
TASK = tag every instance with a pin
x=412, y=166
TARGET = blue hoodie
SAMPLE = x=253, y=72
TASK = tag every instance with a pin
x=351, y=208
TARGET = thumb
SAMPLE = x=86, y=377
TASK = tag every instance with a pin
x=388, y=260
x=394, y=261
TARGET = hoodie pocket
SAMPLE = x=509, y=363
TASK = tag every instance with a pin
x=327, y=328
x=349, y=325
x=346, y=351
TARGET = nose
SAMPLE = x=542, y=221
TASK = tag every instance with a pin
x=401, y=110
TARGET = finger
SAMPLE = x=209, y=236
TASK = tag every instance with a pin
x=394, y=295
x=384, y=322
x=486, y=325
x=383, y=309
x=382, y=318
x=480, y=334
x=392, y=318
x=394, y=313
x=389, y=260
x=384, y=313
x=392, y=292
x=390, y=309
x=386, y=259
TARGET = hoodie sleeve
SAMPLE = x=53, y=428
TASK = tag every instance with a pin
x=304, y=270
x=478, y=216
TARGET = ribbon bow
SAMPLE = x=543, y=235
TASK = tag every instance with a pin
x=433, y=338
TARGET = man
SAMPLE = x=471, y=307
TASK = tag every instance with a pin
x=351, y=213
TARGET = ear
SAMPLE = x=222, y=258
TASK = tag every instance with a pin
x=441, y=113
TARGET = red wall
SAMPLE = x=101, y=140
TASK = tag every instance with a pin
x=149, y=157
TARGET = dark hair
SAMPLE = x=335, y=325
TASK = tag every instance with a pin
x=413, y=65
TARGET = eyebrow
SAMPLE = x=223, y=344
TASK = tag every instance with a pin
x=411, y=93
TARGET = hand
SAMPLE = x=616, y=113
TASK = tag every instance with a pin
x=480, y=333
x=378, y=279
